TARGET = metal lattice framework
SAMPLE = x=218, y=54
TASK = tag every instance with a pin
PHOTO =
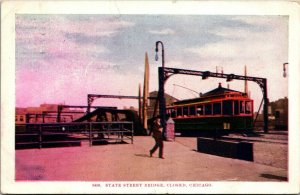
x=92, y=97
x=165, y=73
x=61, y=107
x=47, y=114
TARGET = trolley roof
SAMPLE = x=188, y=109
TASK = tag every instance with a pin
x=219, y=92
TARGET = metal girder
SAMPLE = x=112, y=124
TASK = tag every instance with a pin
x=45, y=114
x=112, y=96
x=69, y=112
x=170, y=71
x=71, y=106
x=92, y=97
x=165, y=73
x=61, y=107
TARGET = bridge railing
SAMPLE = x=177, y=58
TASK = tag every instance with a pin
x=50, y=133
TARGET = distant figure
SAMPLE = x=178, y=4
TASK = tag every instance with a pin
x=157, y=135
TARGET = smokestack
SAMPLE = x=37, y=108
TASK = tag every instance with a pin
x=246, y=84
x=146, y=92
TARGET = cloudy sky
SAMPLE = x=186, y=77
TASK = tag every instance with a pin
x=62, y=58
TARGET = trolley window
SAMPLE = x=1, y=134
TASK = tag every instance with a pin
x=208, y=109
x=173, y=113
x=200, y=110
x=248, y=107
x=192, y=110
x=242, y=107
x=227, y=107
x=168, y=111
x=236, y=107
x=217, y=108
x=185, y=111
x=179, y=111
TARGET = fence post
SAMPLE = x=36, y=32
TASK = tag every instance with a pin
x=91, y=138
x=131, y=132
x=40, y=136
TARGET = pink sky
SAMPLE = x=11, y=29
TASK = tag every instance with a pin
x=62, y=58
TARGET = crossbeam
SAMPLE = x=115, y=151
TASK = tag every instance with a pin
x=113, y=96
x=210, y=74
x=71, y=106
x=61, y=107
x=92, y=97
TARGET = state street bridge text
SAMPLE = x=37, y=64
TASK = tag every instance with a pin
x=139, y=185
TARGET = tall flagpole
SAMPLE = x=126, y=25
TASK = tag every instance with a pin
x=146, y=92
x=140, y=103
x=246, y=84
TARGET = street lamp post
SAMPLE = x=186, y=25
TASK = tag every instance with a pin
x=162, y=52
x=161, y=90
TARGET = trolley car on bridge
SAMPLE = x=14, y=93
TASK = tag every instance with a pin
x=223, y=110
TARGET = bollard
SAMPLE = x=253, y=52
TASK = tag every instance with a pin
x=170, y=130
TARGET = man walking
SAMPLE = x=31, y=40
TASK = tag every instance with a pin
x=158, y=137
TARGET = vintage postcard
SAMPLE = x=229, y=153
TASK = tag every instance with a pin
x=150, y=97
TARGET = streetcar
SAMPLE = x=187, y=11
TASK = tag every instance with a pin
x=220, y=110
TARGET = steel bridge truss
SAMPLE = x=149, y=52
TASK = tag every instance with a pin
x=46, y=115
x=92, y=97
x=165, y=73
x=61, y=107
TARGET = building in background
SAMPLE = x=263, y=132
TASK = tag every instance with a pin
x=279, y=111
x=46, y=113
x=150, y=111
x=20, y=117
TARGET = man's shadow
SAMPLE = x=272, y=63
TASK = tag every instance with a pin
x=142, y=155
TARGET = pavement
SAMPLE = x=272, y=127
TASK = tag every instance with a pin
x=131, y=162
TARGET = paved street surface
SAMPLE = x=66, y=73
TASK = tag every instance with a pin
x=131, y=162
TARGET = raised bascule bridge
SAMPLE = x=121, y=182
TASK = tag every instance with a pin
x=101, y=125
